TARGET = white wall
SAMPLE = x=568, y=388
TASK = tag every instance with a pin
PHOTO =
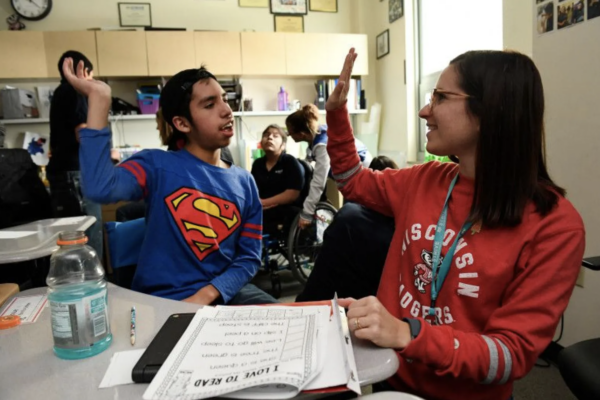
x=569, y=62
x=385, y=83
x=223, y=15
x=517, y=17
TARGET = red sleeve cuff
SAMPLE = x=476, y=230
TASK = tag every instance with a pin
x=433, y=346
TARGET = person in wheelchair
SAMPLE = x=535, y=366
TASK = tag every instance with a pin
x=279, y=178
x=303, y=126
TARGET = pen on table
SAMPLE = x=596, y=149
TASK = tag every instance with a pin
x=132, y=333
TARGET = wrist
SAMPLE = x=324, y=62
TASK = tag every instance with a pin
x=98, y=108
x=405, y=336
x=208, y=294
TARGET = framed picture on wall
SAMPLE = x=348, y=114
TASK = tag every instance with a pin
x=324, y=5
x=396, y=10
x=135, y=14
x=289, y=23
x=254, y=3
x=297, y=7
x=382, y=44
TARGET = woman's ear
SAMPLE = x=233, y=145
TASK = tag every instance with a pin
x=182, y=124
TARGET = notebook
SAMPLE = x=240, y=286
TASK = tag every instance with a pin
x=160, y=347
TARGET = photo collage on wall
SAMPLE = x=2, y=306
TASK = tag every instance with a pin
x=558, y=14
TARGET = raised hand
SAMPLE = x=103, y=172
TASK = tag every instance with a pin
x=82, y=82
x=97, y=92
x=339, y=96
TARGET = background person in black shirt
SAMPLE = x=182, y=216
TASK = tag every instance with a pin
x=68, y=115
x=279, y=178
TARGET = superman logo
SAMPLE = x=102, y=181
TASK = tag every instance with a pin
x=204, y=221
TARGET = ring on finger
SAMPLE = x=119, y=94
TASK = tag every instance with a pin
x=357, y=323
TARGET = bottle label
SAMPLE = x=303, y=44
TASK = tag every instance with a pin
x=98, y=314
x=80, y=322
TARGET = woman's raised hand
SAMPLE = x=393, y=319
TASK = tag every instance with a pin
x=340, y=94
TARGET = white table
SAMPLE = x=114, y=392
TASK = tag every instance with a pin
x=17, y=245
x=30, y=370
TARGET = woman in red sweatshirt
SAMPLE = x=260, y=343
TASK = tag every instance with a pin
x=486, y=251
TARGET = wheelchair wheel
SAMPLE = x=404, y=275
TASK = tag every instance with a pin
x=304, y=244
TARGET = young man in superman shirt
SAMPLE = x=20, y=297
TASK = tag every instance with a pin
x=204, y=218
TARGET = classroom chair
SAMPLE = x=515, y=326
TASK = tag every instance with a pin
x=579, y=364
x=7, y=290
x=124, y=245
x=23, y=197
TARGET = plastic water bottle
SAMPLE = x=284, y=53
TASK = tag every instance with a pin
x=282, y=99
x=78, y=299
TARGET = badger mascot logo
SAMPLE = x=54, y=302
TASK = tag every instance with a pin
x=423, y=270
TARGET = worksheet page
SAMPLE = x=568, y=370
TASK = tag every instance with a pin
x=228, y=349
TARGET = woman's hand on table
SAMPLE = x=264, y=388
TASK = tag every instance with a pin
x=369, y=320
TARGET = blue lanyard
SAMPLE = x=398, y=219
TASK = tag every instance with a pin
x=439, y=272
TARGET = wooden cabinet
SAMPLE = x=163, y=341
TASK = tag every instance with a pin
x=338, y=46
x=56, y=43
x=220, y=52
x=122, y=53
x=306, y=53
x=169, y=52
x=263, y=53
x=22, y=54
x=32, y=54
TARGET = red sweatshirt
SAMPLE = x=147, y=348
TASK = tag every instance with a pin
x=503, y=296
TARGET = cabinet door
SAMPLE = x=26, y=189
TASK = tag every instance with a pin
x=339, y=44
x=169, y=52
x=263, y=53
x=220, y=52
x=22, y=54
x=56, y=43
x=306, y=53
x=122, y=53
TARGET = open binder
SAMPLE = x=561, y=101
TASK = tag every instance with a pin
x=259, y=352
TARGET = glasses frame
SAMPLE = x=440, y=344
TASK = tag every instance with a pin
x=434, y=91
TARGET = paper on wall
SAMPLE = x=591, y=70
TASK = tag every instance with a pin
x=37, y=146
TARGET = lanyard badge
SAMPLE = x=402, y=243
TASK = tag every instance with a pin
x=439, y=272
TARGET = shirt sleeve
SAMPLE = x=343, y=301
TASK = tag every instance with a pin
x=247, y=260
x=317, y=183
x=102, y=182
x=357, y=183
x=519, y=330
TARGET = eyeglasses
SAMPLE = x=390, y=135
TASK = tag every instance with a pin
x=436, y=95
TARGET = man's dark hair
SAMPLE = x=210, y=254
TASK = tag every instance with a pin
x=176, y=96
x=507, y=97
x=77, y=57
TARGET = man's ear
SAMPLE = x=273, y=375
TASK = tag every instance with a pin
x=182, y=124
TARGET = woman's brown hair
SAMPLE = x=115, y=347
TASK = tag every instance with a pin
x=305, y=120
x=510, y=168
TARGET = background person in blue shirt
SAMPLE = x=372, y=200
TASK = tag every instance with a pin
x=204, y=221
x=303, y=126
